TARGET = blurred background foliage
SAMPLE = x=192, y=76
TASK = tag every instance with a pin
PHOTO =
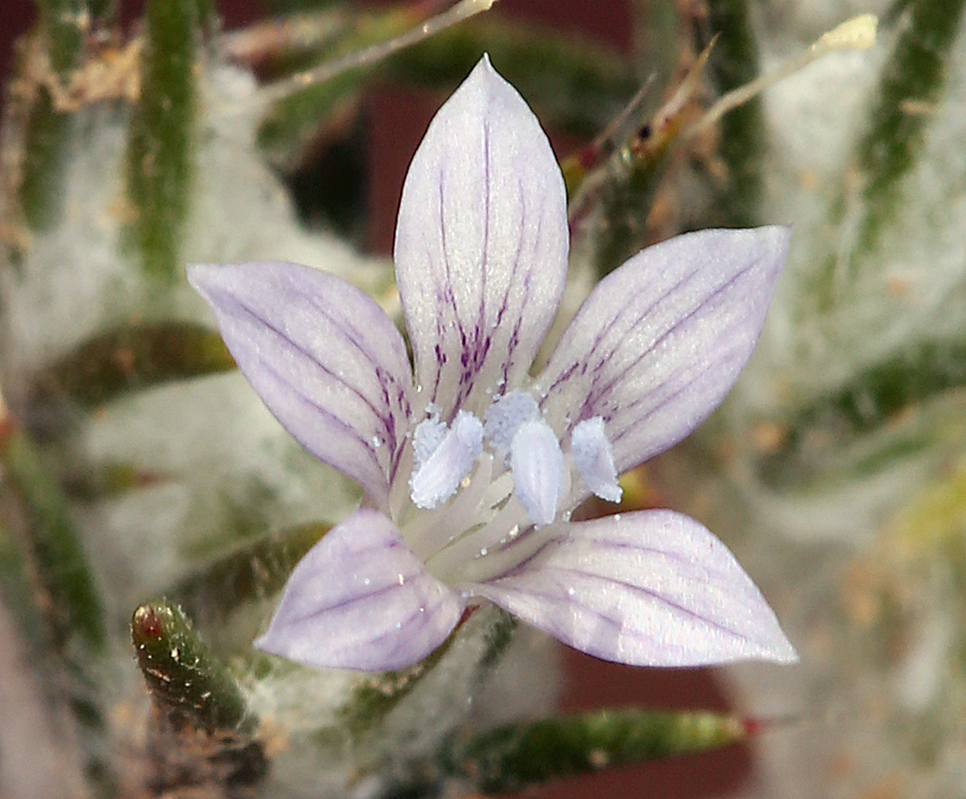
x=151, y=509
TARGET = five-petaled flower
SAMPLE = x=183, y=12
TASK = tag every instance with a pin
x=471, y=469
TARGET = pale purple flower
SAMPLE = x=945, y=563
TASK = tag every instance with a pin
x=471, y=469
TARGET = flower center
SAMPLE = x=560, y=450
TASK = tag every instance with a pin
x=475, y=485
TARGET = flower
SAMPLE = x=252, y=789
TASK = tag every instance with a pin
x=470, y=471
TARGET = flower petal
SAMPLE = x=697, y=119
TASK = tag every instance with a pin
x=653, y=588
x=481, y=244
x=661, y=340
x=361, y=600
x=323, y=357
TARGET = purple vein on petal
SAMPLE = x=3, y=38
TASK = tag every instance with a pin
x=344, y=426
x=601, y=359
x=599, y=391
x=514, y=339
x=298, y=391
x=341, y=391
x=602, y=334
x=658, y=598
x=593, y=373
x=555, y=626
x=634, y=421
x=343, y=606
x=464, y=208
x=618, y=570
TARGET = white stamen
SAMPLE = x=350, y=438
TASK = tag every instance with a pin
x=504, y=417
x=427, y=437
x=537, y=464
x=430, y=532
x=593, y=456
x=508, y=538
x=499, y=490
x=504, y=559
x=439, y=476
x=454, y=558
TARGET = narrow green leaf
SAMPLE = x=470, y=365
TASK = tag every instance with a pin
x=874, y=398
x=183, y=676
x=16, y=592
x=293, y=122
x=521, y=755
x=379, y=695
x=499, y=636
x=733, y=63
x=45, y=580
x=250, y=572
x=55, y=545
x=128, y=358
x=159, y=152
x=91, y=482
x=306, y=41
x=914, y=74
x=911, y=82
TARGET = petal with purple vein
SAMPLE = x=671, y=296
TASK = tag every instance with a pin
x=652, y=588
x=481, y=244
x=361, y=600
x=661, y=340
x=324, y=358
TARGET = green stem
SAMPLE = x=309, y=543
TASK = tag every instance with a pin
x=521, y=755
x=161, y=134
x=733, y=63
x=374, y=700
